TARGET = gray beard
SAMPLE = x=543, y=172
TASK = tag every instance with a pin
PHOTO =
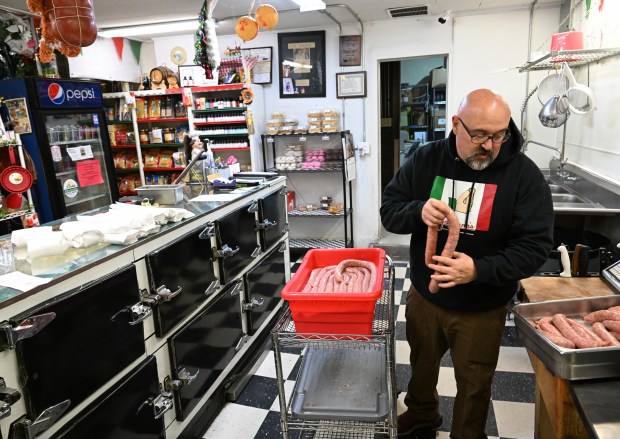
x=478, y=165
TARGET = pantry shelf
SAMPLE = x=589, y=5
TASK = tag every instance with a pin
x=574, y=58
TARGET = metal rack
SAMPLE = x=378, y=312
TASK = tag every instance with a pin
x=381, y=337
x=574, y=58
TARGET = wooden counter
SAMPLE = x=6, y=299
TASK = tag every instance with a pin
x=556, y=416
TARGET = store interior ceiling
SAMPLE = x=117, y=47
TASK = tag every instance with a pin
x=120, y=13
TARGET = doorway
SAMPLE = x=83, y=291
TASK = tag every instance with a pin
x=413, y=108
x=413, y=112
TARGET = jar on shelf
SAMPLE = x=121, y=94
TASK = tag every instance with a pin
x=144, y=136
x=168, y=135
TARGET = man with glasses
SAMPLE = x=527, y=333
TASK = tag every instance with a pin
x=505, y=213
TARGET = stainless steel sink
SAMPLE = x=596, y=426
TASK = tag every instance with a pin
x=557, y=189
x=567, y=198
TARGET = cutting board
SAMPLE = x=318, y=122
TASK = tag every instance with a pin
x=540, y=289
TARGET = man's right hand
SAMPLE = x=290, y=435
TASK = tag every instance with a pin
x=431, y=213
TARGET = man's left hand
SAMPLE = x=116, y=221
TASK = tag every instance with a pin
x=449, y=272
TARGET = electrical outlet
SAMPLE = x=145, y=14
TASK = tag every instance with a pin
x=364, y=148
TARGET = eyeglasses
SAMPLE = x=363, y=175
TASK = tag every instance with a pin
x=479, y=139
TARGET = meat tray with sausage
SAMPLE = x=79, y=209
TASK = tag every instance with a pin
x=350, y=275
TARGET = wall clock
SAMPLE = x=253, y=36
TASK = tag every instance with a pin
x=178, y=55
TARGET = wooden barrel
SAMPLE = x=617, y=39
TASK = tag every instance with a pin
x=159, y=76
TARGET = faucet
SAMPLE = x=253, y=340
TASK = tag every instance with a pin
x=561, y=173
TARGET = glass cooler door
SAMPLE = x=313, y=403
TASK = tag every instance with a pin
x=78, y=157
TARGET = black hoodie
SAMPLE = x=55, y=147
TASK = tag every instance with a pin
x=509, y=230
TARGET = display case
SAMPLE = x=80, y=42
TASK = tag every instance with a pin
x=320, y=200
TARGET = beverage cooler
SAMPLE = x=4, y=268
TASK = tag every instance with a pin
x=69, y=145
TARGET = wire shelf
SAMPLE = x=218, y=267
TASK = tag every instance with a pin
x=573, y=58
x=307, y=243
x=381, y=337
x=317, y=213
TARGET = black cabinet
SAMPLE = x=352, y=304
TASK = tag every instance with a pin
x=92, y=338
x=272, y=225
x=236, y=241
x=125, y=411
x=201, y=350
x=181, y=276
x=263, y=286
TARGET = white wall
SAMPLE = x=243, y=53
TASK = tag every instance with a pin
x=100, y=61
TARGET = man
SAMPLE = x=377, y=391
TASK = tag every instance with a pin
x=505, y=213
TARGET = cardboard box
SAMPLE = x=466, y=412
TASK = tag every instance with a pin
x=438, y=77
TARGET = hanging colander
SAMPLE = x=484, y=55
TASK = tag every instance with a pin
x=15, y=178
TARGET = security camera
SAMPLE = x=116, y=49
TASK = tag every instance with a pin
x=444, y=17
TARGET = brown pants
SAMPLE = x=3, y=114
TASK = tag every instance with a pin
x=473, y=340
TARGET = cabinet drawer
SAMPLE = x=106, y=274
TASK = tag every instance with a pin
x=185, y=268
x=272, y=218
x=237, y=241
x=263, y=286
x=88, y=342
x=123, y=411
x=201, y=350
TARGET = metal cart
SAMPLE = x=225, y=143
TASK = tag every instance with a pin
x=355, y=373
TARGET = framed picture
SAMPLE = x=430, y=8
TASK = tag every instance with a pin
x=302, y=64
x=351, y=50
x=351, y=85
x=195, y=74
x=259, y=61
x=18, y=113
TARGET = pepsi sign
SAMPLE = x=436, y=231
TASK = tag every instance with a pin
x=67, y=94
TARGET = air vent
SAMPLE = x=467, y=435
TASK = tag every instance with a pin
x=407, y=11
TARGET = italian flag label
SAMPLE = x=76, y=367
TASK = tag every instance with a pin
x=478, y=199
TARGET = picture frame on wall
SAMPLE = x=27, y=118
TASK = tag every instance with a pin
x=351, y=85
x=350, y=50
x=18, y=113
x=261, y=60
x=301, y=70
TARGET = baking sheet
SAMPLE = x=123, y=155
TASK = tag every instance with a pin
x=570, y=364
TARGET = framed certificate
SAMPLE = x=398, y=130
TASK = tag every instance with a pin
x=351, y=85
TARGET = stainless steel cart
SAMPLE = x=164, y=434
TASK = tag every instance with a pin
x=345, y=387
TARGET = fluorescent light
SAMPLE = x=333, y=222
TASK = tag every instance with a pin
x=310, y=5
x=149, y=29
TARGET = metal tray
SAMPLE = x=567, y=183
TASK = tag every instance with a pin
x=570, y=364
x=162, y=193
x=342, y=384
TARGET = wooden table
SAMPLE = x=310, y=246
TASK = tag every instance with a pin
x=556, y=416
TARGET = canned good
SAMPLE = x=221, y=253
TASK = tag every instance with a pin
x=144, y=136
x=168, y=135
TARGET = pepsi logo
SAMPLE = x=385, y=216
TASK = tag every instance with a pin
x=56, y=93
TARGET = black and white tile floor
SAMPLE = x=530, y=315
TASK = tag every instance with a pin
x=256, y=414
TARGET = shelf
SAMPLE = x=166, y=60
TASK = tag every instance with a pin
x=235, y=122
x=573, y=58
x=415, y=127
x=94, y=197
x=165, y=119
x=320, y=213
x=241, y=148
x=223, y=87
x=305, y=171
x=272, y=136
x=14, y=214
x=162, y=169
x=126, y=170
x=414, y=104
x=309, y=243
x=74, y=142
x=161, y=145
x=215, y=136
x=123, y=146
x=439, y=129
x=220, y=110
x=118, y=122
x=439, y=103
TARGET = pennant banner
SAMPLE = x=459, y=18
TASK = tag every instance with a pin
x=118, y=44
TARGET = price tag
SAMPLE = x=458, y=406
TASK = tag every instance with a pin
x=325, y=138
x=302, y=139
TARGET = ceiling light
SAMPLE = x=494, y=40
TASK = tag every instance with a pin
x=149, y=29
x=310, y=5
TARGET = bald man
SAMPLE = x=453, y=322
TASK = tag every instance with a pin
x=505, y=214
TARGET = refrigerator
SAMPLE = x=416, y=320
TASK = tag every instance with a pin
x=69, y=145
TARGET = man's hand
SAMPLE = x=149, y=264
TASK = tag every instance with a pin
x=459, y=269
x=431, y=215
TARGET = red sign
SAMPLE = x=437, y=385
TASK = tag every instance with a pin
x=89, y=172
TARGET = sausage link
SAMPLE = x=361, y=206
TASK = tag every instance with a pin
x=561, y=322
x=324, y=278
x=451, y=242
x=547, y=326
x=612, y=325
x=308, y=287
x=600, y=330
x=599, y=316
x=583, y=331
x=558, y=339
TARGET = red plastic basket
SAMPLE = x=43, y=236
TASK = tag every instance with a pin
x=334, y=313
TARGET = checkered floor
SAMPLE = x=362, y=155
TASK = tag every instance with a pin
x=255, y=414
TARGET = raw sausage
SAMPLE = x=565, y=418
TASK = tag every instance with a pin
x=561, y=322
x=612, y=325
x=599, y=316
x=451, y=242
x=583, y=331
x=558, y=339
x=604, y=334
